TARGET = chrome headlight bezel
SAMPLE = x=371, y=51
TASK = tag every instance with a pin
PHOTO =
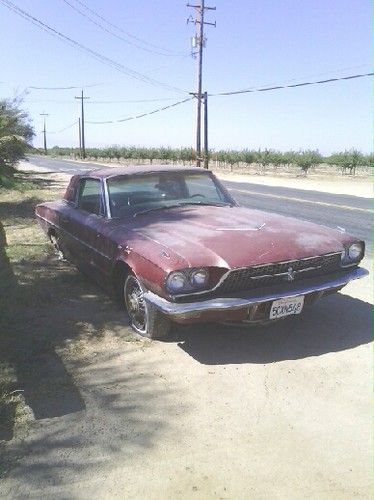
x=194, y=280
x=172, y=279
x=199, y=277
x=352, y=254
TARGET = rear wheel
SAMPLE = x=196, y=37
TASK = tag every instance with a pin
x=144, y=317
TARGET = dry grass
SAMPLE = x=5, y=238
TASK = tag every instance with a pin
x=48, y=310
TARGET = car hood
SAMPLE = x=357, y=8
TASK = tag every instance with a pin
x=228, y=237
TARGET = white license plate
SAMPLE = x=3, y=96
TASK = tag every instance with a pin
x=286, y=307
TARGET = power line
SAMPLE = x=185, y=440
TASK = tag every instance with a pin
x=104, y=59
x=57, y=101
x=314, y=75
x=132, y=101
x=119, y=37
x=64, y=88
x=141, y=115
x=65, y=128
x=303, y=84
x=82, y=4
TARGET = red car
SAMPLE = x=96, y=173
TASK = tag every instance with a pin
x=175, y=246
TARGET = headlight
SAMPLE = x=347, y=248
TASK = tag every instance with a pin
x=352, y=254
x=187, y=280
x=355, y=251
x=199, y=277
x=176, y=281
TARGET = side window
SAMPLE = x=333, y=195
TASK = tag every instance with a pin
x=89, y=197
x=202, y=186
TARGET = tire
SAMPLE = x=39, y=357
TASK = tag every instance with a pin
x=145, y=319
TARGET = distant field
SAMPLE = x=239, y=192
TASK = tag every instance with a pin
x=256, y=162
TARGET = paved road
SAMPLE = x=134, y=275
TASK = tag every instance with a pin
x=216, y=412
x=350, y=212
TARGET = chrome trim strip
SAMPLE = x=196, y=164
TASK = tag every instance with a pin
x=284, y=274
x=106, y=199
x=74, y=237
x=186, y=310
x=224, y=276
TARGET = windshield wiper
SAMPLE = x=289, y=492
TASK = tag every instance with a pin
x=205, y=203
x=155, y=208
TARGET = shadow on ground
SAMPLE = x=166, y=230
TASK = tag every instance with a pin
x=336, y=323
x=46, y=307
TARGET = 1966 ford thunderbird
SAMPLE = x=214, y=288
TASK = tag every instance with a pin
x=175, y=246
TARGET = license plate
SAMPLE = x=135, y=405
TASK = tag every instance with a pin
x=286, y=307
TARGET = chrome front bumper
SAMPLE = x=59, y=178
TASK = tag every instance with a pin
x=190, y=310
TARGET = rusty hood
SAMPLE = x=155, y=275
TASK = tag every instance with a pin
x=228, y=237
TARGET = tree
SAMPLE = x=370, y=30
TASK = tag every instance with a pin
x=349, y=160
x=307, y=159
x=16, y=134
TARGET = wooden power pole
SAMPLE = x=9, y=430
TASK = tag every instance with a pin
x=80, y=136
x=83, y=145
x=44, y=131
x=199, y=41
x=206, y=147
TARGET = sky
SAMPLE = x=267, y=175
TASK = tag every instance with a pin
x=256, y=43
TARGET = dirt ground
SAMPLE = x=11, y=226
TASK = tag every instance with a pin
x=215, y=412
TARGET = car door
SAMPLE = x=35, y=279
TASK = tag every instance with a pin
x=87, y=226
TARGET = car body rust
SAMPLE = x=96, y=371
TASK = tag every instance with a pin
x=156, y=242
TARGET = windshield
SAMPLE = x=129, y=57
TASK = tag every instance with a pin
x=157, y=190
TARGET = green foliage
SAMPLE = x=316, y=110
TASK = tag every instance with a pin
x=266, y=159
x=16, y=133
x=307, y=159
x=348, y=161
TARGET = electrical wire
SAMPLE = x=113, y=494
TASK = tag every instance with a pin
x=105, y=60
x=65, y=128
x=82, y=4
x=303, y=84
x=64, y=88
x=314, y=75
x=140, y=116
x=119, y=37
x=33, y=101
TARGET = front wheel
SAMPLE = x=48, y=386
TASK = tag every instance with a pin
x=144, y=317
x=56, y=242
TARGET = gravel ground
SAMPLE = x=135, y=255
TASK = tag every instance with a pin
x=278, y=412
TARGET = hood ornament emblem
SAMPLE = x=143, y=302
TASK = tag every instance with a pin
x=290, y=276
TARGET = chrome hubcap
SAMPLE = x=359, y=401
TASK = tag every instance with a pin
x=135, y=304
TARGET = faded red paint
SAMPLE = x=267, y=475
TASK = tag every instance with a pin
x=156, y=243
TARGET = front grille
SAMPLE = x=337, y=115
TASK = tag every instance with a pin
x=280, y=272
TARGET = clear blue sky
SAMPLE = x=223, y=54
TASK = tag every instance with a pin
x=255, y=43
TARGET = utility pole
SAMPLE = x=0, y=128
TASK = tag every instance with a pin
x=206, y=148
x=199, y=41
x=44, y=131
x=83, y=147
x=80, y=136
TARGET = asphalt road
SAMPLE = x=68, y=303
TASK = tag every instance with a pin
x=352, y=213
x=279, y=412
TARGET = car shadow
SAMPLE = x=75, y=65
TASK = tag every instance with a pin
x=336, y=323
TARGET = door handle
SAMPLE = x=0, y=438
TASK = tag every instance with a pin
x=65, y=220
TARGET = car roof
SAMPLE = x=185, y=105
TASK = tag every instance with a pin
x=108, y=172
